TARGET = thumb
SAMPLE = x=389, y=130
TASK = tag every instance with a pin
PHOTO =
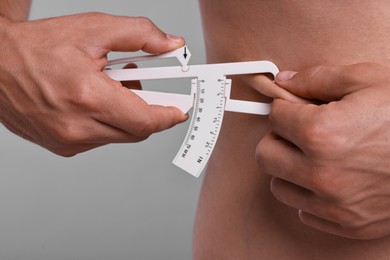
x=123, y=33
x=330, y=83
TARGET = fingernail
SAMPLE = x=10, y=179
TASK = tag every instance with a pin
x=174, y=38
x=183, y=117
x=285, y=75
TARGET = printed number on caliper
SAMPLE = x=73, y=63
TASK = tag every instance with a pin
x=209, y=98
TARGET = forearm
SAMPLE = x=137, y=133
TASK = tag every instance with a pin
x=15, y=9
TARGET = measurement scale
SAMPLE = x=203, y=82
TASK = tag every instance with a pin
x=209, y=98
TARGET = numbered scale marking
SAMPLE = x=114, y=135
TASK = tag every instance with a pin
x=209, y=98
x=205, y=124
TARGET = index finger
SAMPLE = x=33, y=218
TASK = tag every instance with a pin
x=123, y=33
x=121, y=108
x=330, y=83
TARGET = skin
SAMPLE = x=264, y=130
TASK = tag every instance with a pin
x=248, y=208
x=52, y=88
x=15, y=10
x=330, y=160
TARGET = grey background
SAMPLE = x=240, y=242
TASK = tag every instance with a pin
x=122, y=201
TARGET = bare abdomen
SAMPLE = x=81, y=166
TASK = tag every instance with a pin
x=238, y=218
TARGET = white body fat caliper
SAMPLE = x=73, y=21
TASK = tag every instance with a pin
x=209, y=98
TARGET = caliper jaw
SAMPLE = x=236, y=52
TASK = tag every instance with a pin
x=182, y=54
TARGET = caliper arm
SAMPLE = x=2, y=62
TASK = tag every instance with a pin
x=209, y=98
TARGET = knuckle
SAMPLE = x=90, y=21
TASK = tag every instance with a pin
x=95, y=16
x=68, y=134
x=59, y=147
x=67, y=137
x=148, y=127
x=146, y=24
x=313, y=135
x=84, y=96
x=65, y=152
x=324, y=137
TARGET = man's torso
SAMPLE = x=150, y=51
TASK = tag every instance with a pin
x=238, y=218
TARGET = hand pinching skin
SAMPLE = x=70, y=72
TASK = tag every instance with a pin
x=330, y=159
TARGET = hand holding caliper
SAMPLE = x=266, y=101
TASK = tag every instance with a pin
x=53, y=91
